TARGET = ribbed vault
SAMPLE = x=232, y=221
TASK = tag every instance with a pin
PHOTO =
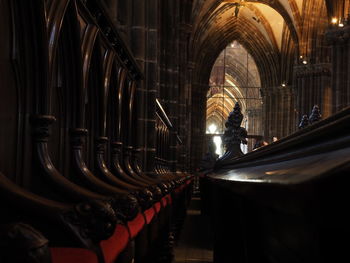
x=234, y=78
x=267, y=29
x=245, y=33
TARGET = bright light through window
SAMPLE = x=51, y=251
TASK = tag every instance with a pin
x=212, y=128
x=218, y=143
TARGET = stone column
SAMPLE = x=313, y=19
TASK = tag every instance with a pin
x=169, y=71
x=144, y=45
x=312, y=81
x=338, y=39
x=185, y=75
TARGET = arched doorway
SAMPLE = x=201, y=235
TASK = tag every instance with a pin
x=234, y=78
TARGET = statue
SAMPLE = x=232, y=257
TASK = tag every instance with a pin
x=304, y=122
x=315, y=115
x=233, y=137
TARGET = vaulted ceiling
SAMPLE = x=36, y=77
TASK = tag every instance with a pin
x=267, y=17
x=268, y=29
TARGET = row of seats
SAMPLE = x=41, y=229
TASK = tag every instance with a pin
x=145, y=238
x=73, y=114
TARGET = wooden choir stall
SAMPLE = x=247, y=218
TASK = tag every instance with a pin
x=72, y=189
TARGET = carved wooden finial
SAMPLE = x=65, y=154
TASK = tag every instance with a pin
x=233, y=137
x=304, y=122
x=315, y=115
x=234, y=133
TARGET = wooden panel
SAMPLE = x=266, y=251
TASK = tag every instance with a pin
x=9, y=95
x=286, y=202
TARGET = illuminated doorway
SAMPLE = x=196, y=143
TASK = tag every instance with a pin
x=234, y=78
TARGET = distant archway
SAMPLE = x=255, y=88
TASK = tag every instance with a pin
x=234, y=78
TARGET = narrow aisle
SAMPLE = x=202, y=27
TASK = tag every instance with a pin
x=196, y=241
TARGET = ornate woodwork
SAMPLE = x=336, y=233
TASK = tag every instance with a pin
x=20, y=243
x=233, y=137
x=286, y=199
x=68, y=119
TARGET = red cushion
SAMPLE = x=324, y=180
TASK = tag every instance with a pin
x=136, y=225
x=164, y=201
x=157, y=207
x=188, y=182
x=149, y=214
x=72, y=255
x=116, y=244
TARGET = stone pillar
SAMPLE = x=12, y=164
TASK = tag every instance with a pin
x=278, y=112
x=254, y=125
x=144, y=45
x=312, y=83
x=338, y=39
x=185, y=75
x=169, y=83
x=267, y=108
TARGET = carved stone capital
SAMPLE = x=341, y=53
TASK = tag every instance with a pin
x=320, y=69
x=338, y=35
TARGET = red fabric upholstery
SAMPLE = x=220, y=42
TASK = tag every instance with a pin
x=116, y=244
x=188, y=182
x=72, y=255
x=149, y=214
x=136, y=225
x=157, y=207
x=164, y=201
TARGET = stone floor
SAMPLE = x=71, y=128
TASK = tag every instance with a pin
x=195, y=244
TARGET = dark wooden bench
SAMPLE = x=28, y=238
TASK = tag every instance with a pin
x=286, y=202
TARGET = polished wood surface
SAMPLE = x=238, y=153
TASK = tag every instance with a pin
x=68, y=128
x=285, y=202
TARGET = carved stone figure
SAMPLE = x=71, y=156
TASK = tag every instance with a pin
x=304, y=122
x=315, y=115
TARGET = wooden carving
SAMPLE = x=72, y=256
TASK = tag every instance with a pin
x=233, y=137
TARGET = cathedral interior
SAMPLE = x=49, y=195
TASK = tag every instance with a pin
x=174, y=131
